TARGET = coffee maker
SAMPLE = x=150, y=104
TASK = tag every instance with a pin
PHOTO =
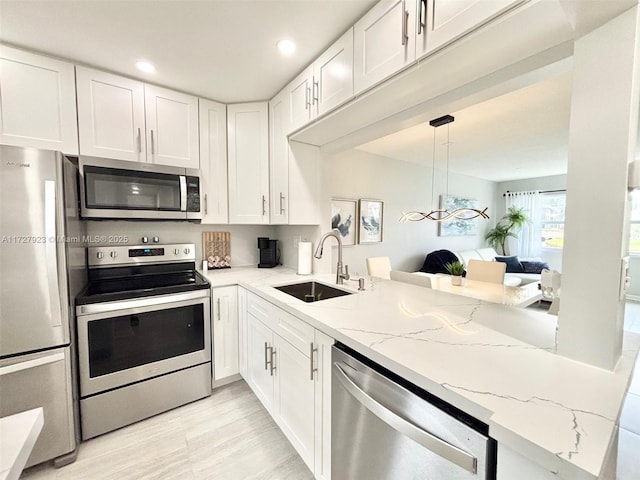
x=269, y=255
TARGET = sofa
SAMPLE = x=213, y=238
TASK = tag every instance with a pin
x=519, y=272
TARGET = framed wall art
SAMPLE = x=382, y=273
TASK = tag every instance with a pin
x=370, y=221
x=344, y=219
x=457, y=226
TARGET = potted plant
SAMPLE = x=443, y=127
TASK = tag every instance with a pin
x=509, y=224
x=456, y=270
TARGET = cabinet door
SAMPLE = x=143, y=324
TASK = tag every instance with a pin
x=172, y=127
x=259, y=355
x=446, y=20
x=37, y=102
x=322, y=362
x=299, y=92
x=279, y=159
x=248, y=143
x=294, y=397
x=333, y=75
x=225, y=332
x=384, y=42
x=110, y=116
x=213, y=161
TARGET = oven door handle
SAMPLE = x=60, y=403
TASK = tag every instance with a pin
x=153, y=301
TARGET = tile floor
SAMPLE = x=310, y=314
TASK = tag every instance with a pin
x=230, y=436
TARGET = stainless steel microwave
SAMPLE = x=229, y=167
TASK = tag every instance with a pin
x=132, y=190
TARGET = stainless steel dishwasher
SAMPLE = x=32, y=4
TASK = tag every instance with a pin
x=384, y=427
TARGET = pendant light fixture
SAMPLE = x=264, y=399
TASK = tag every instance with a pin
x=440, y=215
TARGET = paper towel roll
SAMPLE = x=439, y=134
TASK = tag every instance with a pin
x=304, y=258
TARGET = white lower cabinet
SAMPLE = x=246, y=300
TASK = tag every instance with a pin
x=288, y=368
x=224, y=328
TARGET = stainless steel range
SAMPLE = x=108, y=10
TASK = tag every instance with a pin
x=143, y=334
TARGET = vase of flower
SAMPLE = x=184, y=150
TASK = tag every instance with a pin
x=456, y=270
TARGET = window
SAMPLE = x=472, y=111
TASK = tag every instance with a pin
x=552, y=222
x=634, y=230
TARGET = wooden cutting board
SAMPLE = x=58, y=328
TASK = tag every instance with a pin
x=216, y=249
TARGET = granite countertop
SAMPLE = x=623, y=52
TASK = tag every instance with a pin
x=495, y=362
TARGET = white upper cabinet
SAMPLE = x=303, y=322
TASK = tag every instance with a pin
x=110, y=115
x=248, y=156
x=333, y=75
x=172, y=127
x=125, y=119
x=37, y=102
x=442, y=21
x=279, y=159
x=213, y=161
x=384, y=42
x=299, y=92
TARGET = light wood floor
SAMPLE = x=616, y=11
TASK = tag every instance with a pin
x=228, y=436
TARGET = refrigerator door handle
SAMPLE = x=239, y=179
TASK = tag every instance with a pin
x=418, y=435
x=37, y=362
x=51, y=251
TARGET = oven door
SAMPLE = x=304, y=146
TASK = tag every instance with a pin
x=118, y=189
x=123, y=342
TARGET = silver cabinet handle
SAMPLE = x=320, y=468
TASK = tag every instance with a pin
x=153, y=150
x=219, y=317
x=273, y=362
x=422, y=24
x=307, y=98
x=266, y=356
x=405, y=19
x=51, y=251
x=316, y=91
x=405, y=427
x=139, y=141
x=311, y=369
x=282, y=197
x=205, y=204
x=264, y=205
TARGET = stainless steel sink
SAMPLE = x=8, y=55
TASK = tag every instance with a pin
x=311, y=291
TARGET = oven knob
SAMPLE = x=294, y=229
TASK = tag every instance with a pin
x=186, y=251
x=176, y=251
x=145, y=239
x=113, y=254
x=156, y=239
x=100, y=255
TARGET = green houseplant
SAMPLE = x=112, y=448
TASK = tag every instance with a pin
x=456, y=270
x=507, y=227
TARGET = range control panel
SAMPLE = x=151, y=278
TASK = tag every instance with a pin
x=110, y=256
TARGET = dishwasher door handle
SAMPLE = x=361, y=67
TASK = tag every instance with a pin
x=408, y=429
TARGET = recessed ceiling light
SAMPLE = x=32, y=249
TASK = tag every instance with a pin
x=286, y=47
x=145, y=67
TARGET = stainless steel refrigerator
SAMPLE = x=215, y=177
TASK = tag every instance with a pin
x=42, y=267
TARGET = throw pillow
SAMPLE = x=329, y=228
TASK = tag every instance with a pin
x=533, y=267
x=513, y=264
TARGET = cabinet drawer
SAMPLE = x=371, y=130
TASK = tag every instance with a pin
x=298, y=333
x=259, y=308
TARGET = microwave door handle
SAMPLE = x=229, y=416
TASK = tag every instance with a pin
x=183, y=193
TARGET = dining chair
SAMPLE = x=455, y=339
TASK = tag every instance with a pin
x=379, y=267
x=412, y=278
x=485, y=271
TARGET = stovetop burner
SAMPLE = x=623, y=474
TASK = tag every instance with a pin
x=121, y=273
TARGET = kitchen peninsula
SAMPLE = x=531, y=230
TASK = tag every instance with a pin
x=552, y=414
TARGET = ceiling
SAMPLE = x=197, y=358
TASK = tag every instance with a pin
x=224, y=50
x=522, y=134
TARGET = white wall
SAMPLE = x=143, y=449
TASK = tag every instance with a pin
x=554, y=182
x=402, y=186
x=244, y=238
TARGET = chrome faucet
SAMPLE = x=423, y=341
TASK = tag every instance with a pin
x=340, y=275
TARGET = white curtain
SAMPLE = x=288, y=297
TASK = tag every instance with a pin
x=529, y=238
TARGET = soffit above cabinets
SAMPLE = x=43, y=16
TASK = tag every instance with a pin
x=224, y=50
